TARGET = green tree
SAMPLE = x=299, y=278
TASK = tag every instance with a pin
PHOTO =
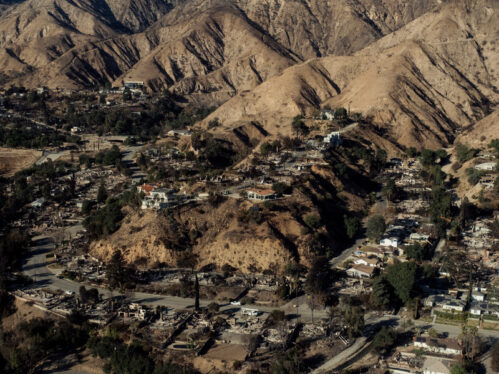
x=458, y=369
x=313, y=221
x=341, y=113
x=494, y=144
x=415, y=251
x=474, y=175
x=440, y=204
x=412, y=152
x=282, y=188
x=352, y=226
x=116, y=271
x=437, y=176
x=196, y=291
x=319, y=276
x=376, y=226
x=384, y=339
x=382, y=295
x=402, y=277
x=390, y=190
x=495, y=351
x=288, y=362
x=427, y=157
x=299, y=126
x=463, y=153
x=354, y=318
x=86, y=207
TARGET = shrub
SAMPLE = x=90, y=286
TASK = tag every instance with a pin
x=474, y=175
x=282, y=188
x=313, y=221
x=463, y=153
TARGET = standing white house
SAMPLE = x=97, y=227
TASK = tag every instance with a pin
x=390, y=242
x=486, y=166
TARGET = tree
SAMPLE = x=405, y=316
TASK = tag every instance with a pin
x=116, y=271
x=282, y=188
x=299, y=126
x=415, y=251
x=402, y=277
x=313, y=221
x=101, y=193
x=319, y=276
x=196, y=289
x=495, y=352
x=384, y=339
x=440, y=204
x=352, y=226
x=390, y=190
x=83, y=294
x=437, y=176
x=464, y=153
x=382, y=295
x=474, y=175
x=494, y=144
x=376, y=226
x=427, y=157
x=458, y=369
x=288, y=362
x=412, y=152
x=354, y=318
x=341, y=113
x=86, y=207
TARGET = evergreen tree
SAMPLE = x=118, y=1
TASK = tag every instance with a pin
x=101, y=194
x=196, y=289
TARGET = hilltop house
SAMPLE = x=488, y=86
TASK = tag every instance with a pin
x=262, y=195
x=486, y=166
x=361, y=271
x=389, y=242
x=159, y=198
x=367, y=261
x=146, y=188
x=133, y=84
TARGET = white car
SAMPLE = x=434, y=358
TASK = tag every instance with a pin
x=235, y=302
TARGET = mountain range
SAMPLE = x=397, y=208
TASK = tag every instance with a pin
x=418, y=71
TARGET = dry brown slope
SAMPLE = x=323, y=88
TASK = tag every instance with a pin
x=215, y=55
x=481, y=133
x=202, y=56
x=421, y=86
x=315, y=28
x=84, y=40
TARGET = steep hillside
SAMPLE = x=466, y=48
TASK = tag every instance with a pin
x=316, y=28
x=208, y=50
x=421, y=83
x=481, y=133
x=35, y=33
x=249, y=236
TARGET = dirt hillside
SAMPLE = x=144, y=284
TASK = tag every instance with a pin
x=421, y=83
